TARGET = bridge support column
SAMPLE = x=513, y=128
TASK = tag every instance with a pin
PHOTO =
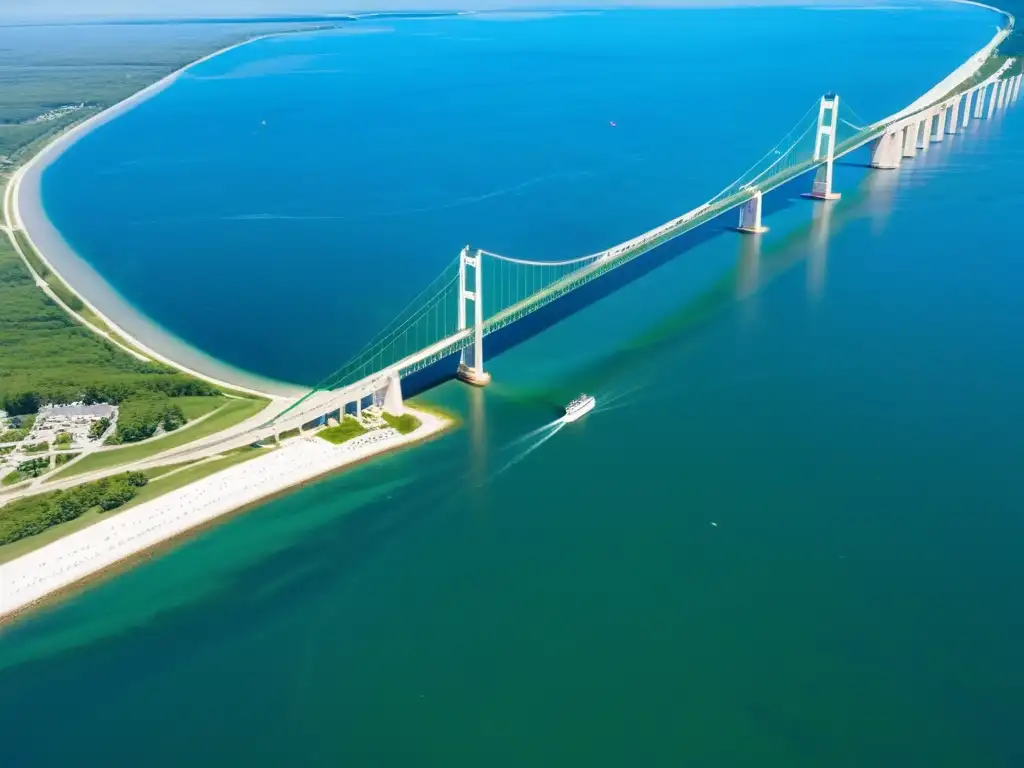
x=750, y=216
x=887, y=151
x=471, y=368
x=954, y=116
x=940, y=124
x=979, y=101
x=825, y=147
x=967, y=109
x=1016, y=87
x=393, y=403
x=924, y=132
x=910, y=139
x=992, y=97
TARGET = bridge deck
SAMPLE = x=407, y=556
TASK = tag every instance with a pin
x=320, y=401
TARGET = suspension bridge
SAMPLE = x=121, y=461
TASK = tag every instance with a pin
x=502, y=289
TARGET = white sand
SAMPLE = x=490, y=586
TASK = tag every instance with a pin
x=82, y=554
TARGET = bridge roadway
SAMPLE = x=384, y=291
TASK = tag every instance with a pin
x=318, y=403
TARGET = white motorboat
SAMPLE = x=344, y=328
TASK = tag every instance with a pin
x=578, y=408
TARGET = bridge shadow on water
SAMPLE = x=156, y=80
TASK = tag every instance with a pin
x=786, y=196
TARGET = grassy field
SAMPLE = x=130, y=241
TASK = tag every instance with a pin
x=405, y=423
x=228, y=415
x=195, y=407
x=13, y=477
x=161, y=482
x=344, y=432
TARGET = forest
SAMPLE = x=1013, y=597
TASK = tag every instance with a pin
x=32, y=515
x=46, y=357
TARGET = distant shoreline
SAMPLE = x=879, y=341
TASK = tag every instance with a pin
x=24, y=209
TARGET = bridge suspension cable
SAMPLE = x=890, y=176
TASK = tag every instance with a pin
x=770, y=153
x=429, y=326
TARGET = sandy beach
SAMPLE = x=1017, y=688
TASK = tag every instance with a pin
x=86, y=553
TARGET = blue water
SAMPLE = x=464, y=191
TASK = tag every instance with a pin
x=280, y=203
x=840, y=396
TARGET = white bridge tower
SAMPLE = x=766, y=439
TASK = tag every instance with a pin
x=471, y=366
x=826, y=134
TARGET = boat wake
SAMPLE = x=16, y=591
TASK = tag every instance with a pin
x=538, y=437
x=613, y=401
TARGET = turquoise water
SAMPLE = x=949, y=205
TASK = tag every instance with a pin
x=841, y=397
x=300, y=191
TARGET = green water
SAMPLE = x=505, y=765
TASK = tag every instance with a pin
x=842, y=401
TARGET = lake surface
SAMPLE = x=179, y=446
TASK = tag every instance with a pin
x=788, y=536
x=280, y=203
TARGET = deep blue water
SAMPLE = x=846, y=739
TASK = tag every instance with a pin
x=280, y=203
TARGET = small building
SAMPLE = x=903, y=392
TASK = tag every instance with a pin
x=97, y=410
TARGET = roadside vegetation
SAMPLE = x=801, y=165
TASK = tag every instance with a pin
x=403, y=424
x=232, y=412
x=32, y=515
x=345, y=431
x=44, y=514
x=26, y=470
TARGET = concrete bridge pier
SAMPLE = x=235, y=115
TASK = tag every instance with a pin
x=979, y=102
x=825, y=147
x=910, y=139
x=391, y=396
x=967, y=109
x=954, y=116
x=887, y=151
x=471, y=368
x=750, y=216
x=1016, y=87
x=992, y=98
x=924, y=132
x=940, y=124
